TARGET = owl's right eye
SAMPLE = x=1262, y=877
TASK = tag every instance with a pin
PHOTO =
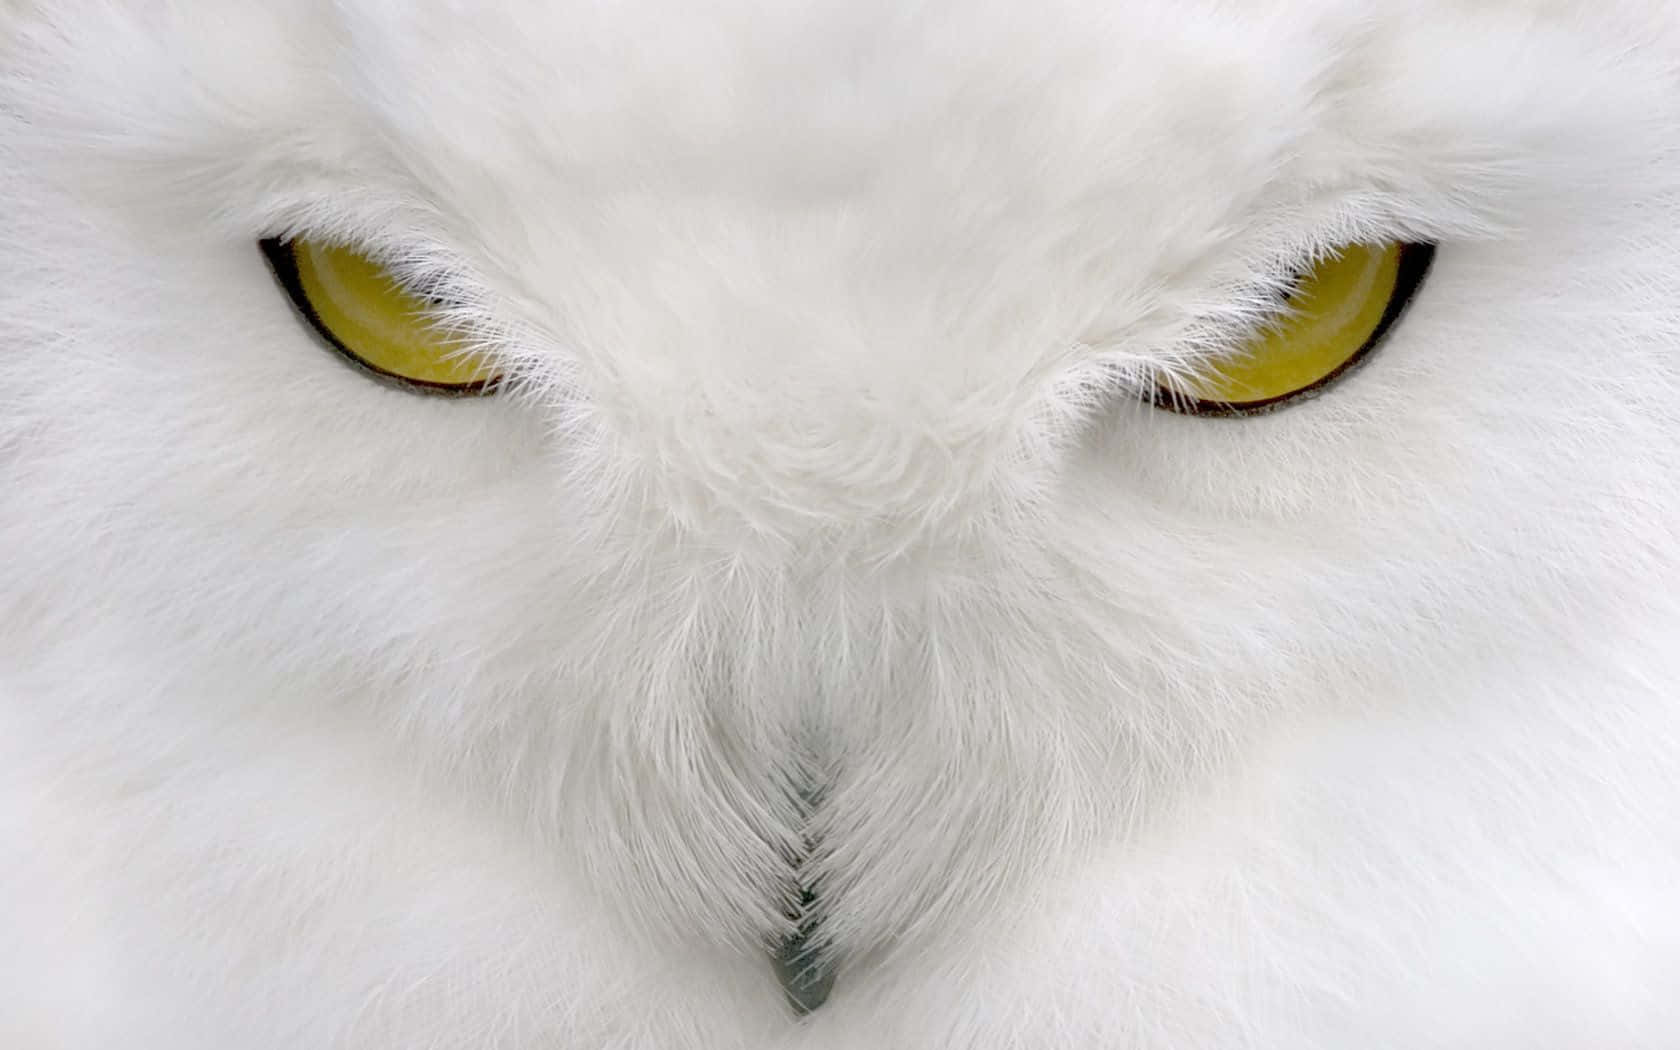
x=364, y=313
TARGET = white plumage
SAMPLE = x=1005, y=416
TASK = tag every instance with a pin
x=332, y=716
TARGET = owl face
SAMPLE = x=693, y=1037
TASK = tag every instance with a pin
x=826, y=498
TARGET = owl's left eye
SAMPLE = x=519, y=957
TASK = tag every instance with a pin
x=364, y=313
x=1339, y=311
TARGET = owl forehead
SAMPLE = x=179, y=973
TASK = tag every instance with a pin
x=1140, y=123
x=825, y=100
x=1162, y=132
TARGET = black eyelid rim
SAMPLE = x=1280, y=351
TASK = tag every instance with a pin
x=1415, y=261
x=282, y=260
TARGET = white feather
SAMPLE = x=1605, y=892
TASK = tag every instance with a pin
x=333, y=716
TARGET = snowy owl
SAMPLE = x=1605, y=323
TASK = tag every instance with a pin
x=839, y=525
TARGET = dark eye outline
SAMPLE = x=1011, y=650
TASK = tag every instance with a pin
x=1414, y=262
x=282, y=262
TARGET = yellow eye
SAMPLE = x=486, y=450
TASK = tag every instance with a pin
x=1338, y=313
x=361, y=310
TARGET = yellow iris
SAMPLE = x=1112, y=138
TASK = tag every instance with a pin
x=1337, y=313
x=361, y=309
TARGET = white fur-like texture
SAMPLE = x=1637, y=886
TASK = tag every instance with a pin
x=333, y=716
